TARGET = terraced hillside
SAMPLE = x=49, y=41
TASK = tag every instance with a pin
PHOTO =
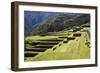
x=73, y=43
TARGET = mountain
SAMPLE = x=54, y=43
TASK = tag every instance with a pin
x=32, y=18
x=60, y=22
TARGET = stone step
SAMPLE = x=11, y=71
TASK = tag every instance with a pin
x=43, y=46
x=63, y=37
x=36, y=49
x=30, y=54
x=54, y=40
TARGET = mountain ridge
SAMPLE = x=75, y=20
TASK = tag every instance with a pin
x=53, y=22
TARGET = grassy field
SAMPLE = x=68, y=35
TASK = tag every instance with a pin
x=58, y=46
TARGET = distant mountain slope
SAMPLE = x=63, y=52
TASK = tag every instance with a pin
x=32, y=18
x=60, y=22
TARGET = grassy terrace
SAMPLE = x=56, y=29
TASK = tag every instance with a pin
x=57, y=46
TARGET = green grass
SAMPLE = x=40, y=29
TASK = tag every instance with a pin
x=40, y=37
x=73, y=49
